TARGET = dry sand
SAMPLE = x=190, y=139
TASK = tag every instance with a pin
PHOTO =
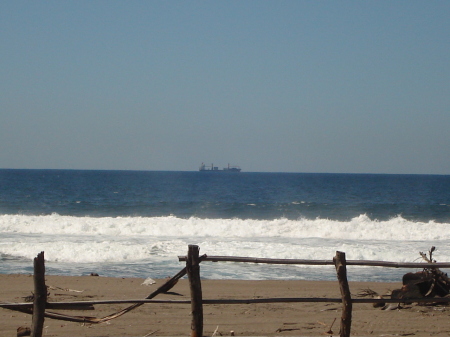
x=290, y=319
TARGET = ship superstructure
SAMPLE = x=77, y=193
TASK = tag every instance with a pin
x=212, y=168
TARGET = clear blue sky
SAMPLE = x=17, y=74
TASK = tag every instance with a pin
x=280, y=86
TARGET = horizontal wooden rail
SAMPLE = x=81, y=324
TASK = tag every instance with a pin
x=261, y=260
x=58, y=305
x=370, y=263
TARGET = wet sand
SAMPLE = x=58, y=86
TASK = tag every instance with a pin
x=277, y=319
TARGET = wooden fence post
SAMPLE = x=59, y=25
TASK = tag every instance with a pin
x=341, y=270
x=193, y=271
x=40, y=296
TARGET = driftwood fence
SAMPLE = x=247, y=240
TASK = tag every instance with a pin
x=192, y=269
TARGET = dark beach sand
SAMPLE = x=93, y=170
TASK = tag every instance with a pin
x=280, y=319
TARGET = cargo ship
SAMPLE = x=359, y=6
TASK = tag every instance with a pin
x=213, y=168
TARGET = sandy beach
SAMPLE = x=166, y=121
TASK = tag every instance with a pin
x=290, y=319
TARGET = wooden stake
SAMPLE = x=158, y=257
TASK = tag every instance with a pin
x=193, y=271
x=341, y=270
x=40, y=296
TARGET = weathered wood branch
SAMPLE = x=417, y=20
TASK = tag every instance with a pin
x=341, y=270
x=371, y=263
x=195, y=286
x=40, y=296
x=261, y=260
x=68, y=305
x=75, y=305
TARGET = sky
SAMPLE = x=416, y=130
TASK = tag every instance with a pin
x=271, y=86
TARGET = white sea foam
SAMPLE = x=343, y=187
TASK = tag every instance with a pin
x=159, y=240
x=359, y=228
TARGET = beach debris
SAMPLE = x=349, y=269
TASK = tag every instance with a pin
x=216, y=332
x=148, y=281
x=391, y=306
x=381, y=305
x=367, y=292
x=329, y=309
x=65, y=289
x=371, y=293
x=286, y=329
x=428, y=283
x=23, y=331
x=93, y=274
x=231, y=333
x=282, y=329
x=29, y=298
x=440, y=283
x=151, y=333
x=330, y=332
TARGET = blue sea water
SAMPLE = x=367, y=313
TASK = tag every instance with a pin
x=136, y=223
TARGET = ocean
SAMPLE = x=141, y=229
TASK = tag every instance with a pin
x=137, y=223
